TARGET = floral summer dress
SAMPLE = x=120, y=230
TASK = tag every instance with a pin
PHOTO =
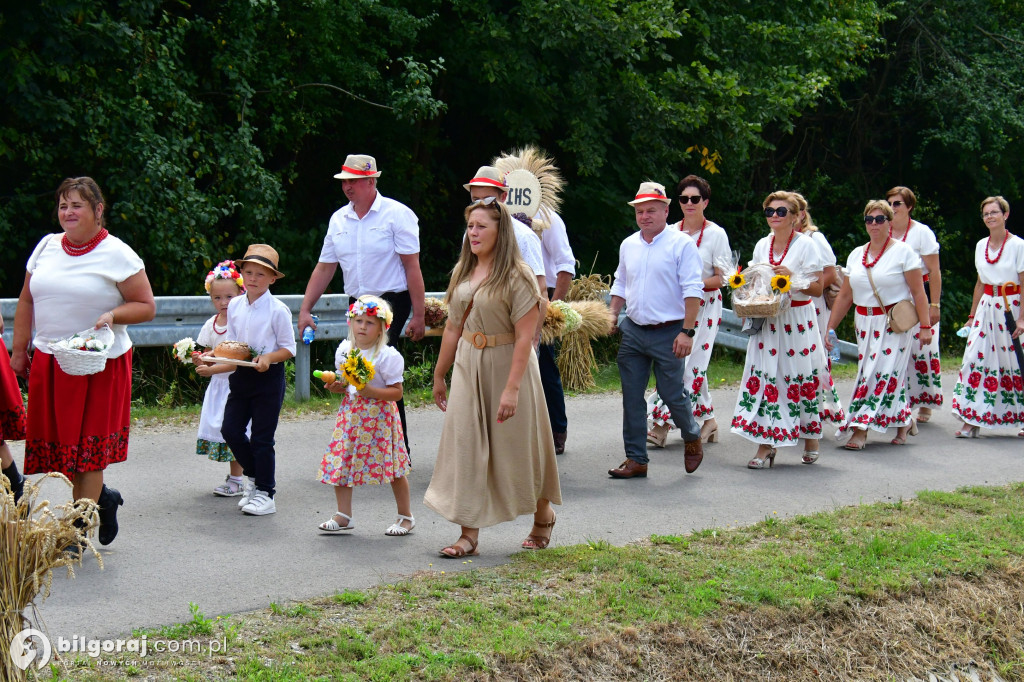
x=368, y=445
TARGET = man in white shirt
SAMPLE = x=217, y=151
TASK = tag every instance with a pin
x=658, y=279
x=559, y=269
x=376, y=241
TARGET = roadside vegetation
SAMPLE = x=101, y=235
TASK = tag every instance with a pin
x=876, y=592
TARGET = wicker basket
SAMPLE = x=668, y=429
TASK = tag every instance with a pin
x=81, y=362
x=758, y=309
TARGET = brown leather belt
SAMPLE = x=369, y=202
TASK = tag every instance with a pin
x=479, y=340
x=660, y=324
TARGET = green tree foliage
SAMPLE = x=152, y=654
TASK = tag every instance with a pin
x=193, y=118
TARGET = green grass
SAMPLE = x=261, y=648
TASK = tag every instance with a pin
x=493, y=622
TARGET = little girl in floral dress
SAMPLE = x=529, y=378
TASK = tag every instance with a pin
x=223, y=283
x=368, y=445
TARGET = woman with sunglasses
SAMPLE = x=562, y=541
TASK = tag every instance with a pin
x=785, y=395
x=713, y=244
x=924, y=375
x=828, y=272
x=890, y=267
x=990, y=388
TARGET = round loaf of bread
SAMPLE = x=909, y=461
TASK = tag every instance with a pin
x=234, y=350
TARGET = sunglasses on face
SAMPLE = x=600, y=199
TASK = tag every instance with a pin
x=877, y=219
x=691, y=198
x=781, y=211
x=896, y=204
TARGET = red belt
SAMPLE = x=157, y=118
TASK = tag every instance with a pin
x=926, y=278
x=1000, y=289
x=707, y=289
x=861, y=310
x=797, y=304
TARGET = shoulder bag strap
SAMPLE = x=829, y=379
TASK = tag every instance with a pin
x=871, y=281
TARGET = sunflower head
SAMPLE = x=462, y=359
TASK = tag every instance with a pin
x=780, y=283
x=737, y=280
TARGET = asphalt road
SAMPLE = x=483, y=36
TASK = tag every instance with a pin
x=179, y=543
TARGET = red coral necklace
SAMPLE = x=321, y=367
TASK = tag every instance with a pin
x=867, y=247
x=771, y=249
x=82, y=249
x=904, y=237
x=700, y=236
x=993, y=261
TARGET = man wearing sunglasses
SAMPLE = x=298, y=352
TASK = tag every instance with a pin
x=658, y=280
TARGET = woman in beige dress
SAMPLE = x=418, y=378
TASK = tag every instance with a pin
x=496, y=460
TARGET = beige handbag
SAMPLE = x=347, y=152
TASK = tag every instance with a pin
x=902, y=316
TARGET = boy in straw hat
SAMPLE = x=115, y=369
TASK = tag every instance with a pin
x=658, y=328
x=265, y=324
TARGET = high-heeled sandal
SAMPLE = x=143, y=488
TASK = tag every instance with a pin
x=810, y=457
x=332, y=526
x=658, y=435
x=923, y=416
x=913, y=427
x=534, y=541
x=1020, y=434
x=709, y=436
x=969, y=433
x=457, y=552
x=758, y=462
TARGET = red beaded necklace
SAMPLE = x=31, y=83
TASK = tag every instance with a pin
x=82, y=249
x=993, y=261
x=771, y=249
x=700, y=236
x=215, y=326
x=904, y=237
x=867, y=247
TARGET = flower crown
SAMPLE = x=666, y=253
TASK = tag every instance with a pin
x=225, y=270
x=372, y=309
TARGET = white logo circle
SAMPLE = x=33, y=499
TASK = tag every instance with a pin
x=23, y=649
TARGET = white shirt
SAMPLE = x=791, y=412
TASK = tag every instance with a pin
x=369, y=250
x=266, y=324
x=388, y=365
x=714, y=245
x=529, y=247
x=1007, y=268
x=803, y=258
x=69, y=293
x=208, y=336
x=920, y=238
x=656, y=278
x=558, y=256
x=887, y=274
x=828, y=256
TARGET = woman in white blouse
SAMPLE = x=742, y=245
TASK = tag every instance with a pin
x=925, y=387
x=713, y=244
x=81, y=278
x=784, y=396
x=990, y=388
x=880, y=396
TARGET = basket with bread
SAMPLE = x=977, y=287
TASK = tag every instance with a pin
x=759, y=291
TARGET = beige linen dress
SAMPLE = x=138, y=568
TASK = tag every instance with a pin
x=487, y=472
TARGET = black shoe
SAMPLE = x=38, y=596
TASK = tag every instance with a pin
x=109, y=501
x=559, y=442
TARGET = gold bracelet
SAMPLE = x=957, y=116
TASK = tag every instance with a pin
x=933, y=305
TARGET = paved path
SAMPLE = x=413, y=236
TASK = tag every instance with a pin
x=180, y=544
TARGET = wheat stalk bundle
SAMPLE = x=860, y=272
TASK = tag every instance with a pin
x=576, y=358
x=590, y=288
x=34, y=543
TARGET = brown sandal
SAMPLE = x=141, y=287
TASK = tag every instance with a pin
x=458, y=552
x=539, y=541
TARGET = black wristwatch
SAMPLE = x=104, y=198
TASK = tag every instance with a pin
x=689, y=332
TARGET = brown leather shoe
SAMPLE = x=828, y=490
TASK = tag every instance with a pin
x=559, y=442
x=629, y=469
x=694, y=455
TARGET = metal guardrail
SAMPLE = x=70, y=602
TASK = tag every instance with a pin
x=181, y=316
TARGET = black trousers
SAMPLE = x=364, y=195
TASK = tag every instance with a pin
x=257, y=397
x=401, y=306
x=551, y=380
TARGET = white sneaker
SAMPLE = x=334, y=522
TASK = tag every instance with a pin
x=248, y=488
x=261, y=504
x=229, y=488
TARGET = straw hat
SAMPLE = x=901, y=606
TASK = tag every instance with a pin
x=262, y=254
x=487, y=176
x=358, y=166
x=650, y=191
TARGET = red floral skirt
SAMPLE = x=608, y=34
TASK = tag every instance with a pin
x=77, y=423
x=12, y=407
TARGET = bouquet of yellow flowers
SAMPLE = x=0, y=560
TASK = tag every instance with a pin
x=356, y=369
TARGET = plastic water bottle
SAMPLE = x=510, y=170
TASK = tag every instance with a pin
x=833, y=354
x=308, y=333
